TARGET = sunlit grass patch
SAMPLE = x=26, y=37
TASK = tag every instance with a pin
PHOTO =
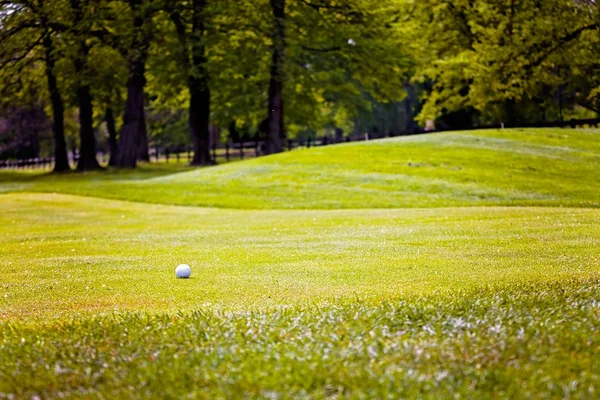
x=61, y=254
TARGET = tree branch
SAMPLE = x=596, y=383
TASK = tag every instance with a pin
x=321, y=50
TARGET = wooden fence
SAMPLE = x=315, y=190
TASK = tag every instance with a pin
x=238, y=151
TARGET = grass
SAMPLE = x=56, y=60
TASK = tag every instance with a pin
x=533, y=167
x=480, y=297
x=64, y=254
x=528, y=341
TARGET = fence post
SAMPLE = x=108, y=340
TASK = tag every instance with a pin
x=214, y=152
x=189, y=154
x=227, y=150
x=256, y=152
x=241, y=150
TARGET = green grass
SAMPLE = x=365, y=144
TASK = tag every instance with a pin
x=64, y=254
x=455, y=275
x=540, y=167
x=528, y=341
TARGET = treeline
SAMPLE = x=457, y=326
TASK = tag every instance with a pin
x=147, y=70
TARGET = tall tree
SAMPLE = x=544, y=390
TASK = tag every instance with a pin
x=133, y=140
x=307, y=63
x=26, y=35
x=61, y=160
x=331, y=54
x=81, y=28
x=193, y=60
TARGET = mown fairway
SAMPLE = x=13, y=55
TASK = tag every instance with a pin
x=423, y=266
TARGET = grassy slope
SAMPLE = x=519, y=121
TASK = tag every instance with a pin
x=497, y=167
x=425, y=302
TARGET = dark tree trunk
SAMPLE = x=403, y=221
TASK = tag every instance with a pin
x=112, y=136
x=133, y=140
x=199, y=117
x=87, y=140
x=192, y=57
x=61, y=160
x=134, y=123
x=276, y=131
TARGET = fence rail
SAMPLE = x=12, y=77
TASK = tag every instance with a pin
x=231, y=151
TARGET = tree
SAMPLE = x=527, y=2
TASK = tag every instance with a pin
x=110, y=71
x=322, y=57
x=27, y=36
x=81, y=25
x=61, y=161
x=494, y=57
x=133, y=140
x=193, y=60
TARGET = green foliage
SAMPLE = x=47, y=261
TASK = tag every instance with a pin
x=325, y=75
x=337, y=53
x=479, y=62
x=494, y=56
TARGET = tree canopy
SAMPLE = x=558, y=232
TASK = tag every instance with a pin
x=168, y=72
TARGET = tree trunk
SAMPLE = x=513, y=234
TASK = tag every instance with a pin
x=133, y=141
x=87, y=139
x=112, y=136
x=61, y=160
x=276, y=130
x=199, y=116
x=134, y=124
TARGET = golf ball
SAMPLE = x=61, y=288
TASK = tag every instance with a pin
x=183, y=271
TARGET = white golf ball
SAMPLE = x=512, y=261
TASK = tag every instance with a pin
x=183, y=271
